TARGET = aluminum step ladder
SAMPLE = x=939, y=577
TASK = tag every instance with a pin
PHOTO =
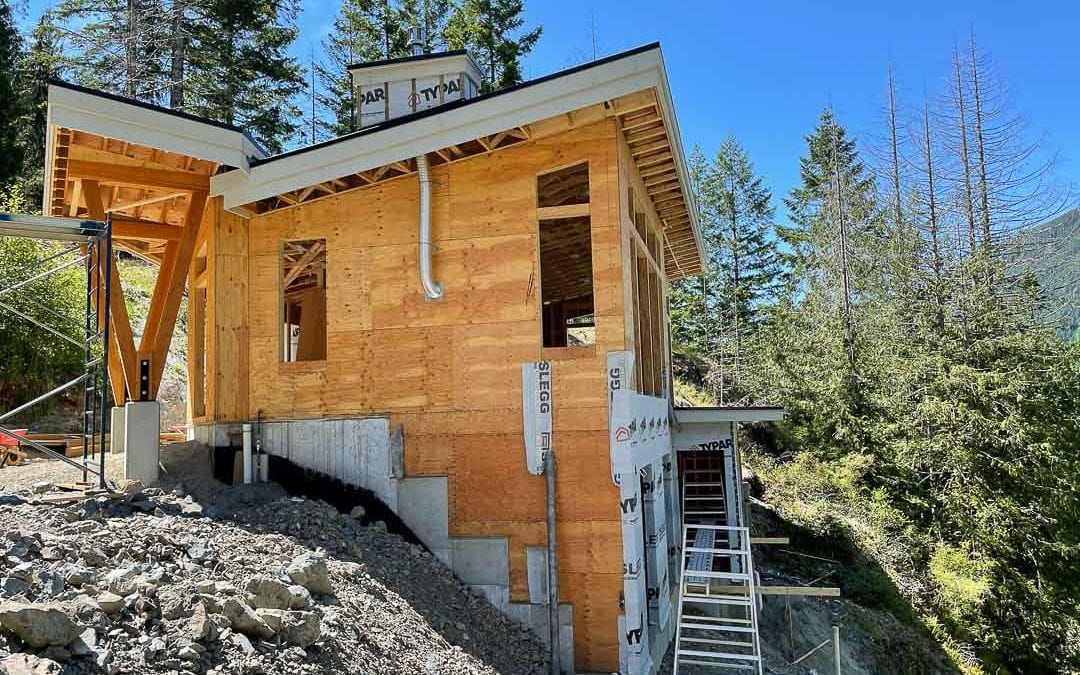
x=718, y=601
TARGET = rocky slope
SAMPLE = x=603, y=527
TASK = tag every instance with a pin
x=201, y=578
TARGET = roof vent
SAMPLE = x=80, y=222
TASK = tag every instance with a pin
x=394, y=88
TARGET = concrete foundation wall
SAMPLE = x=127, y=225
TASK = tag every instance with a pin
x=365, y=452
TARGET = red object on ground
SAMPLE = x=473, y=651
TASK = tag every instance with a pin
x=11, y=440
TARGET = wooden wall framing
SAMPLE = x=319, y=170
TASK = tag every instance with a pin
x=449, y=371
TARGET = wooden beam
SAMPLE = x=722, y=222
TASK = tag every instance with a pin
x=303, y=263
x=122, y=367
x=144, y=202
x=566, y=211
x=136, y=176
x=157, y=336
x=123, y=339
x=784, y=541
x=630, y=103
x=124, y=228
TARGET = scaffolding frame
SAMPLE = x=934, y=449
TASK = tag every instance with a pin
x=91, y=241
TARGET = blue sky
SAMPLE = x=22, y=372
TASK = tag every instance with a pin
x=762, y=70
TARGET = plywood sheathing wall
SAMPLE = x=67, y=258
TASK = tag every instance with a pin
x=449, y=371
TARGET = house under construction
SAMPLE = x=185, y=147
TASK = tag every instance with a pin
x=428, y=308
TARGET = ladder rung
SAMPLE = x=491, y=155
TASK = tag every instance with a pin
x=739, y=576
x=714, y=664
x=718, y=655
x=723, y=600
x=726, y=643
x=716, y=551
x=703, y=513
x=719, y=620
x=717, y=628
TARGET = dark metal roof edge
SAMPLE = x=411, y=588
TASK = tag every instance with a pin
x=407, y=59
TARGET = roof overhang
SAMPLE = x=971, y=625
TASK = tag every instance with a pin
x=729, y=414
x=407, y=137
x=95, y=112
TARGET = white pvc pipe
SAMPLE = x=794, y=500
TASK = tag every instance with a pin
x=249, y=468
x=433, y=290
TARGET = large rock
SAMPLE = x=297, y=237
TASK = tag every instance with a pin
x=268, y=593
x=309, y=570
x=28, y=664
x=110, y=603
x=245, y=620
x=199, y=626
x=38, y=625
x=299, y=597
x=302, y=629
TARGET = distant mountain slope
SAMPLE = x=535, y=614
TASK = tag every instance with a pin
x=1052, y=252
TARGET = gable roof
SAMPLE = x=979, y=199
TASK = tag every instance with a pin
x=258, y=177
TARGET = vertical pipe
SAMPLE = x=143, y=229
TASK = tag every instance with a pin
x=433, y=290
x=248, y=458
x=836, y=647
x=552, y=566
x=106, y=272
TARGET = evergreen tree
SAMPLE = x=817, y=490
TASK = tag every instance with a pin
x=10, y=48
x=742, y=267
x=239, y=69
x=834, y=238
x=117, y=45
x=41, y=62
x=364, y=30
x=489, y=30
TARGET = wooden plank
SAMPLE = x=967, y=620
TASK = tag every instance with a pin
x=565, y=211
x=146, y=201
x=138, y=229
x=123, y=338
x=161, y=334
x=137, y=176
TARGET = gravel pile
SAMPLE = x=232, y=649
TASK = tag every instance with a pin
x=234, y=580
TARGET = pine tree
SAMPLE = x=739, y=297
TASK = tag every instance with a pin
x=41, y=62
x=489, y=30
x=10, y=50
x=117, y=45
x=364, y=30
x=835, y=238
x=743, y=262
x=239, y=70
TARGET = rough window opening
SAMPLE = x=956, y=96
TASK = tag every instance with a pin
x=564, y=186
x=566, y=281
x=304, y=300
x=566, y=284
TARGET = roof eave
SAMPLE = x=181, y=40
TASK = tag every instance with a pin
x=639, y=70
x=668, y=105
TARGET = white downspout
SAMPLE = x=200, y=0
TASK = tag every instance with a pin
x=433, y=290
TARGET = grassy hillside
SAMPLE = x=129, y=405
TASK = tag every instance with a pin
x=1051, y=252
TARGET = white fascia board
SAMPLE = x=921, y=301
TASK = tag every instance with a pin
x=153, y=128
x=668, y=106
x=733, y=414
x=457, y=125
